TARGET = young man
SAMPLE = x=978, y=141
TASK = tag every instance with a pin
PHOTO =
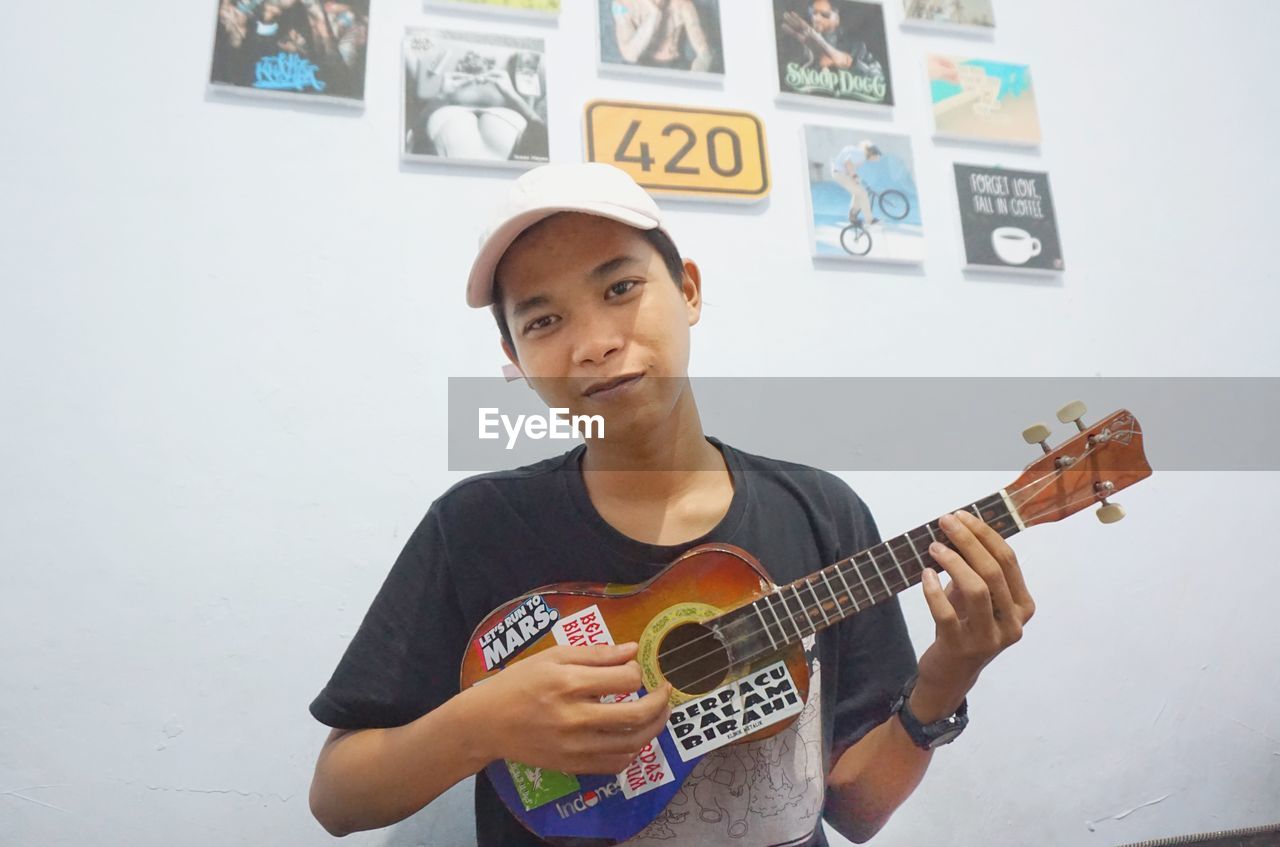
x=594, y=305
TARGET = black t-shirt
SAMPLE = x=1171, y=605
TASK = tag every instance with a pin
x=496, y=536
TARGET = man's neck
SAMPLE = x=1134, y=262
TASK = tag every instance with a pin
x=661, y=464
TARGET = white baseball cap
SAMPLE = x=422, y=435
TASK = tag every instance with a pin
x=590, y=187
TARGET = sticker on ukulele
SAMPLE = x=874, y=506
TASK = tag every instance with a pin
x=646, y=772
x=522, y=626
x=538, y=787
x=586, y=628
x=732, y=711
x=589, y=799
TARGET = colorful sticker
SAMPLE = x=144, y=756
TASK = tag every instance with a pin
x=648, y=771
x=604, y=807
x=588, y=799
x=584, y=629
x=522, y=626
x=760, y=699
x=538, y=787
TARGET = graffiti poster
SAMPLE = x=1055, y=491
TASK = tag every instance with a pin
x=309, y=49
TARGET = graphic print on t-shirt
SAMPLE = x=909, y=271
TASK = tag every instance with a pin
x=769, y=791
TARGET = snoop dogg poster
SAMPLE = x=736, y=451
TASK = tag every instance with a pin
x=833, y=49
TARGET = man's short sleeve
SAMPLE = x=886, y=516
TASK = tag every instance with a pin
x=876, y=653
x=404, y=659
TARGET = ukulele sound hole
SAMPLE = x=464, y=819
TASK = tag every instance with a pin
x=693, y=659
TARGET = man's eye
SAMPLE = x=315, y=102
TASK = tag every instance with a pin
x=622, y=287
x=540, y=323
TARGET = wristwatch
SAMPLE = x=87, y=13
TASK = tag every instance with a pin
x=927, y=736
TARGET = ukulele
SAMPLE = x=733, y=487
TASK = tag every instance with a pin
x=729, y=640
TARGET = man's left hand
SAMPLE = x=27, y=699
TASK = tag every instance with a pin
x=977, y=616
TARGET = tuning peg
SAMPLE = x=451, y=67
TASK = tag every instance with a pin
x=1037, y=434
x=1072, y=413
x=1110, y=512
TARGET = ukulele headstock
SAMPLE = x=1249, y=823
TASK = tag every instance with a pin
x=1088, y=468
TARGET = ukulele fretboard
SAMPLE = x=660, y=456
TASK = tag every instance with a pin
x=794, y=611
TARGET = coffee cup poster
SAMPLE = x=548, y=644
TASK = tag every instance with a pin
x=1008, y=220
x=981, y=100
x=833, y=51
x=292, y=48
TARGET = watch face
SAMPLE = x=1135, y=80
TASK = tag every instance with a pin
x=944, y=738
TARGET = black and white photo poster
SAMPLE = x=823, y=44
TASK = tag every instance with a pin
x=1008, y=219
x=474, y=98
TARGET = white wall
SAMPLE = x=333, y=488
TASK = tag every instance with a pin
x=227, y=329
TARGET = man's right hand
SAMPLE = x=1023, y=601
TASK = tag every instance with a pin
x=546, y=711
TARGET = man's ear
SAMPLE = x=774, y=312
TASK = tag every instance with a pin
x=691, y=288
x=511, y=356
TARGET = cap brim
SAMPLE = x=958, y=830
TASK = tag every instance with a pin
x=480, y=282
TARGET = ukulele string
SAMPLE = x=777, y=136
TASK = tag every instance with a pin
x=721, y=671
x=804, y=607
x=875, y=595
x=1049, y=478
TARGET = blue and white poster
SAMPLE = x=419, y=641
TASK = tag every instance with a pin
x=863, y=200
x=309, y=49
x=983, y=100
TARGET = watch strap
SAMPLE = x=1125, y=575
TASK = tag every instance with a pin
x=931, y=735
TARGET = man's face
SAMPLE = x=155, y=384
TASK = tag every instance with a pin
x=824, y=16
x=589, y=301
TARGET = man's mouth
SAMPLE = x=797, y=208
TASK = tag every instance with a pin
x=611, y=387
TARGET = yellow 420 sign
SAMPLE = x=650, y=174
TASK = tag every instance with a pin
x=691, y=152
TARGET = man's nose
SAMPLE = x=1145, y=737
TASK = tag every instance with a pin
x=598, y=340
